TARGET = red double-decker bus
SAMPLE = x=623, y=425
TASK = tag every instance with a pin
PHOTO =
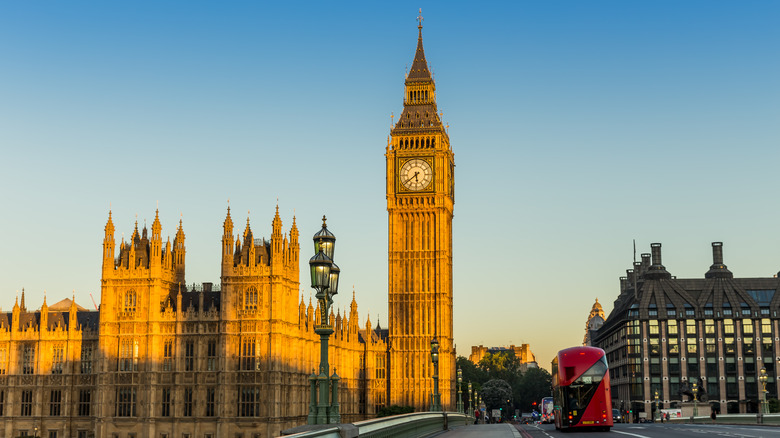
x=581, y=390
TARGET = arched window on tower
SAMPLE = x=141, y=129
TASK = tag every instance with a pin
x=130, y=301
x=250, y=299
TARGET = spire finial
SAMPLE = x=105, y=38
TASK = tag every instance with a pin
x=420, y=19
x=324, y=225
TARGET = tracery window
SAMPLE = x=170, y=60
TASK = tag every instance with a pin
x=3, y=360
x=210, y=401
x=250, y=299
x=86, y=357
x=26, y=405
x=247, y=354
x=249, y=402
x=130, y=301
x=125, y=401
x=166, y=402
x=188, y=402
x=55, y=402
x=168, y=355
x=189, y=356
x=128, y=355
x=58, y=358
x=85, y=401
x=28, y=359
x=212, y=355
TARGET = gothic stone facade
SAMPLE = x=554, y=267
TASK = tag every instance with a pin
x=666, y=333
x=162, y=359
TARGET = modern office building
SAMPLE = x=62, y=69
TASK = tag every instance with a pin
x=666, y=334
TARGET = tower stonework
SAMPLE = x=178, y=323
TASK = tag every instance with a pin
x=420, y=202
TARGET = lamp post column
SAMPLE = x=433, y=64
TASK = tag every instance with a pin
x=656, y=406
x=325, y=279
x=471, y=403
x=695, y=391
x=435, y=400
x=763, y=379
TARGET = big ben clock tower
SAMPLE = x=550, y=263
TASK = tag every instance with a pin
x=420, y=199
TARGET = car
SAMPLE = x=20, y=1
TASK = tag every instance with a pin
x=616, y=417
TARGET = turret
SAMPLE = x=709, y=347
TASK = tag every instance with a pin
x=354, y=324
x=134, y=240
x=227, y=243
x=15, y=315
x=156, y=242
x=178, y=253
x=294, y=245
x=44, y=324
x=73, y=320
x=248, y=253
x=108, y=244
x=277, y=244
x=23, y=307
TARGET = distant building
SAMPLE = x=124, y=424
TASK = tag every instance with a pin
x=665, y=334
x=522, y=352
x=595, y=321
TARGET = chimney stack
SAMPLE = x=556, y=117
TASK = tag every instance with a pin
x=655, y=249
x=718, y=269
x=717, y=253
x=656, y=270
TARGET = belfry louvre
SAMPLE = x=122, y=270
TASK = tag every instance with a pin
x=665, y=333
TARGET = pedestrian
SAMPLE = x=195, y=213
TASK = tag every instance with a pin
x=713, y=415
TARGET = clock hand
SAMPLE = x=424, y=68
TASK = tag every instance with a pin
x=410, y=178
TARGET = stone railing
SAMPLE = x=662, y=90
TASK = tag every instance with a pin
x=397, y=426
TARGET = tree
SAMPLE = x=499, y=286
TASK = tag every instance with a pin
x=497, y=394
x=534, y=384
x=502, y=365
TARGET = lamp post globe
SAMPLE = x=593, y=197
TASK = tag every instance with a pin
x=324, y=240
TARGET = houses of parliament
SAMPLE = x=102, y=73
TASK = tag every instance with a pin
x=163, y=358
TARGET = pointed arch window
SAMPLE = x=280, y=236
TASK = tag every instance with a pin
x=130, y=301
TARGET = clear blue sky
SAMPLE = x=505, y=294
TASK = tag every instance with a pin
x=576, y=126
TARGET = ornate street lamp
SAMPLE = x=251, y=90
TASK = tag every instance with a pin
x=325, y=279
x=695, y=391
x=656, y=405
x=763, y=378
x=471, y=402
x=435, y=400
x=459, y=406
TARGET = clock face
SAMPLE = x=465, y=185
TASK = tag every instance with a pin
x=416, y=174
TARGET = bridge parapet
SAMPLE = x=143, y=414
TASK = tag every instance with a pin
x=415, y=425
